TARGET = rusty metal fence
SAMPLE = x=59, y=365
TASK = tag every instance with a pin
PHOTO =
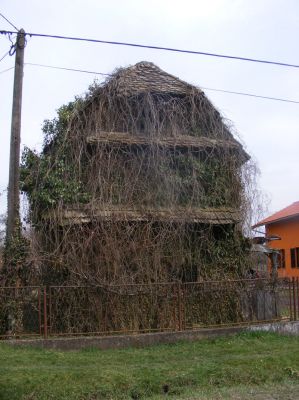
x=138, y=308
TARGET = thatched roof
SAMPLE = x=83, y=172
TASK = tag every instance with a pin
x=147, y=77
x=86, y=214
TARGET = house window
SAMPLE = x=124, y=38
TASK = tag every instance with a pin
x=295, y=257
x=282, y=263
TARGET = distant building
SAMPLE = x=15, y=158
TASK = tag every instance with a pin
x=285, y=225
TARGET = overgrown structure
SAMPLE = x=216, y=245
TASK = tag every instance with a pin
x=141, y=181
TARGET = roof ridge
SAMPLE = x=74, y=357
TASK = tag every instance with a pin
x=145, y=76
x=286, y=212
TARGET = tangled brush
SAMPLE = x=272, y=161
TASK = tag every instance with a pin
x=139, y=181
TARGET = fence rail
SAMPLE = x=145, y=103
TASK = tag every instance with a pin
x=139, y=308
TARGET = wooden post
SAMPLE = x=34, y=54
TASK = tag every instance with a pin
x=13, y=201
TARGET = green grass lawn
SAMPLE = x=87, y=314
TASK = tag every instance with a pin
x=253, y=364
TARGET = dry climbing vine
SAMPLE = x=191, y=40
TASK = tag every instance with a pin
x=138, y=184
x=78, y=178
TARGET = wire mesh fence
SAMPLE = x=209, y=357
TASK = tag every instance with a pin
x=140, y=308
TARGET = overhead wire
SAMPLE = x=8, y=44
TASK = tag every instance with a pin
x=6, y=54
x=5, y=70
x=251, y=95
x=10, y=23
x=67, y=69
x=171, y=49
x=201, y=87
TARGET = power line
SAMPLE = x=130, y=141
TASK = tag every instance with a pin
x=205, y=88
x=6, y=54
x=252, y=95
x=7, y=20
x=5, y=70
x=278, y=63
x=67, y=69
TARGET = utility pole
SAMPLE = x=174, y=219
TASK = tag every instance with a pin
x=13, y=200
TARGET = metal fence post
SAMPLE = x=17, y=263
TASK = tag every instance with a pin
x=290, y=299
x=49, y=326
x=294, y=298
x=45, y=314
x=173, y=288
x=39, y=312
x=179, y=305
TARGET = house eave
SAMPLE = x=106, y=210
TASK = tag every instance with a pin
x=85, y=214
x=192, y=143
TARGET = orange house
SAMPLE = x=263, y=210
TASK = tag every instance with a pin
x=285, y=225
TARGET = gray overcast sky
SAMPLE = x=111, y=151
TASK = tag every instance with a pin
x=265, y=29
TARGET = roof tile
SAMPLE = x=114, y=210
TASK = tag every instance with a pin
x=147, y=77
x=287, y=212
